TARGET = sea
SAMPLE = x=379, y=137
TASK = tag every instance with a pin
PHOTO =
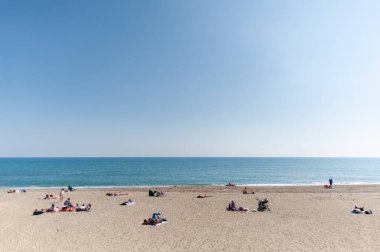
x=149, y=172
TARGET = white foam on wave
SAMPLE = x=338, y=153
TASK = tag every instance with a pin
x=194, y=185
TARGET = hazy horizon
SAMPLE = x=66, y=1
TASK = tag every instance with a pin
x=189, y=79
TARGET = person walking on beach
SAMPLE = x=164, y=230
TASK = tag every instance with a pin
x=61, y=194
x=331, y=182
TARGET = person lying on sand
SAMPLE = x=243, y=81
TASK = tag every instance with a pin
x=155, y=220
x=49, y=196
x=203, y=196
x=53, y=209
x=115, y=194
x=16, y=191
x=360, y=210
x=245, y=191
x=156, y=193
x=232, y=207
x=83, y=208
x=38, y=212
x=127, y=203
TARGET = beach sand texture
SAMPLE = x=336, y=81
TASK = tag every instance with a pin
x=301, y=219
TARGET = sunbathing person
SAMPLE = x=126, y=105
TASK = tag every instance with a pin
x=127, y=203
x=49, y=196
x=38, y=212
x=115, y=194
x=359, y=210
x=16, y=191
x=70, y=188
x=229, y=184
x=245, y=191
x=53, y=209
x=155, y=220
x=83, y=208
x=156, y=193
x=203, y=196
x=151, y=221
x=232, y=207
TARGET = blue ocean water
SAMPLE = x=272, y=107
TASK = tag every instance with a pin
x=101, y=172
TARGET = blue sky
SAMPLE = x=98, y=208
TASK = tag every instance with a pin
x=189, y=78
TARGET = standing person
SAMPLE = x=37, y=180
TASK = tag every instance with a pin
x=331, y=182
x=61, y=194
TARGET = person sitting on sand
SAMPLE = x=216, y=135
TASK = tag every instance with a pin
x=229, y=184
x=232, y=206
x=70, y=188
x=67, y=203
x=53, y=209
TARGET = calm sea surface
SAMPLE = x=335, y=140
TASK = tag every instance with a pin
x=99, y=172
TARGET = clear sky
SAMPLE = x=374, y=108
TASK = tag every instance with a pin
x=189, y=78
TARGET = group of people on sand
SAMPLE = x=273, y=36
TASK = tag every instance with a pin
x=16, y=191
x=263, y=205
x=155, y=220
x=67, y=207
x=156, y=193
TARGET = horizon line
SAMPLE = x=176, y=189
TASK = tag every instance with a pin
x=188, y=157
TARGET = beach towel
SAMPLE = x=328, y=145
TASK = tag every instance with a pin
x=162, y=222
x=357, y=211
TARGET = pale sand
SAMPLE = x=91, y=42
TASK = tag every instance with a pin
x=301, y=219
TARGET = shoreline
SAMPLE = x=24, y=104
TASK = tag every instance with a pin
x=221, y=189
x=193, y=186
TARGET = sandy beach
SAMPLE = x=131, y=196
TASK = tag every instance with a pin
x=301, y=219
